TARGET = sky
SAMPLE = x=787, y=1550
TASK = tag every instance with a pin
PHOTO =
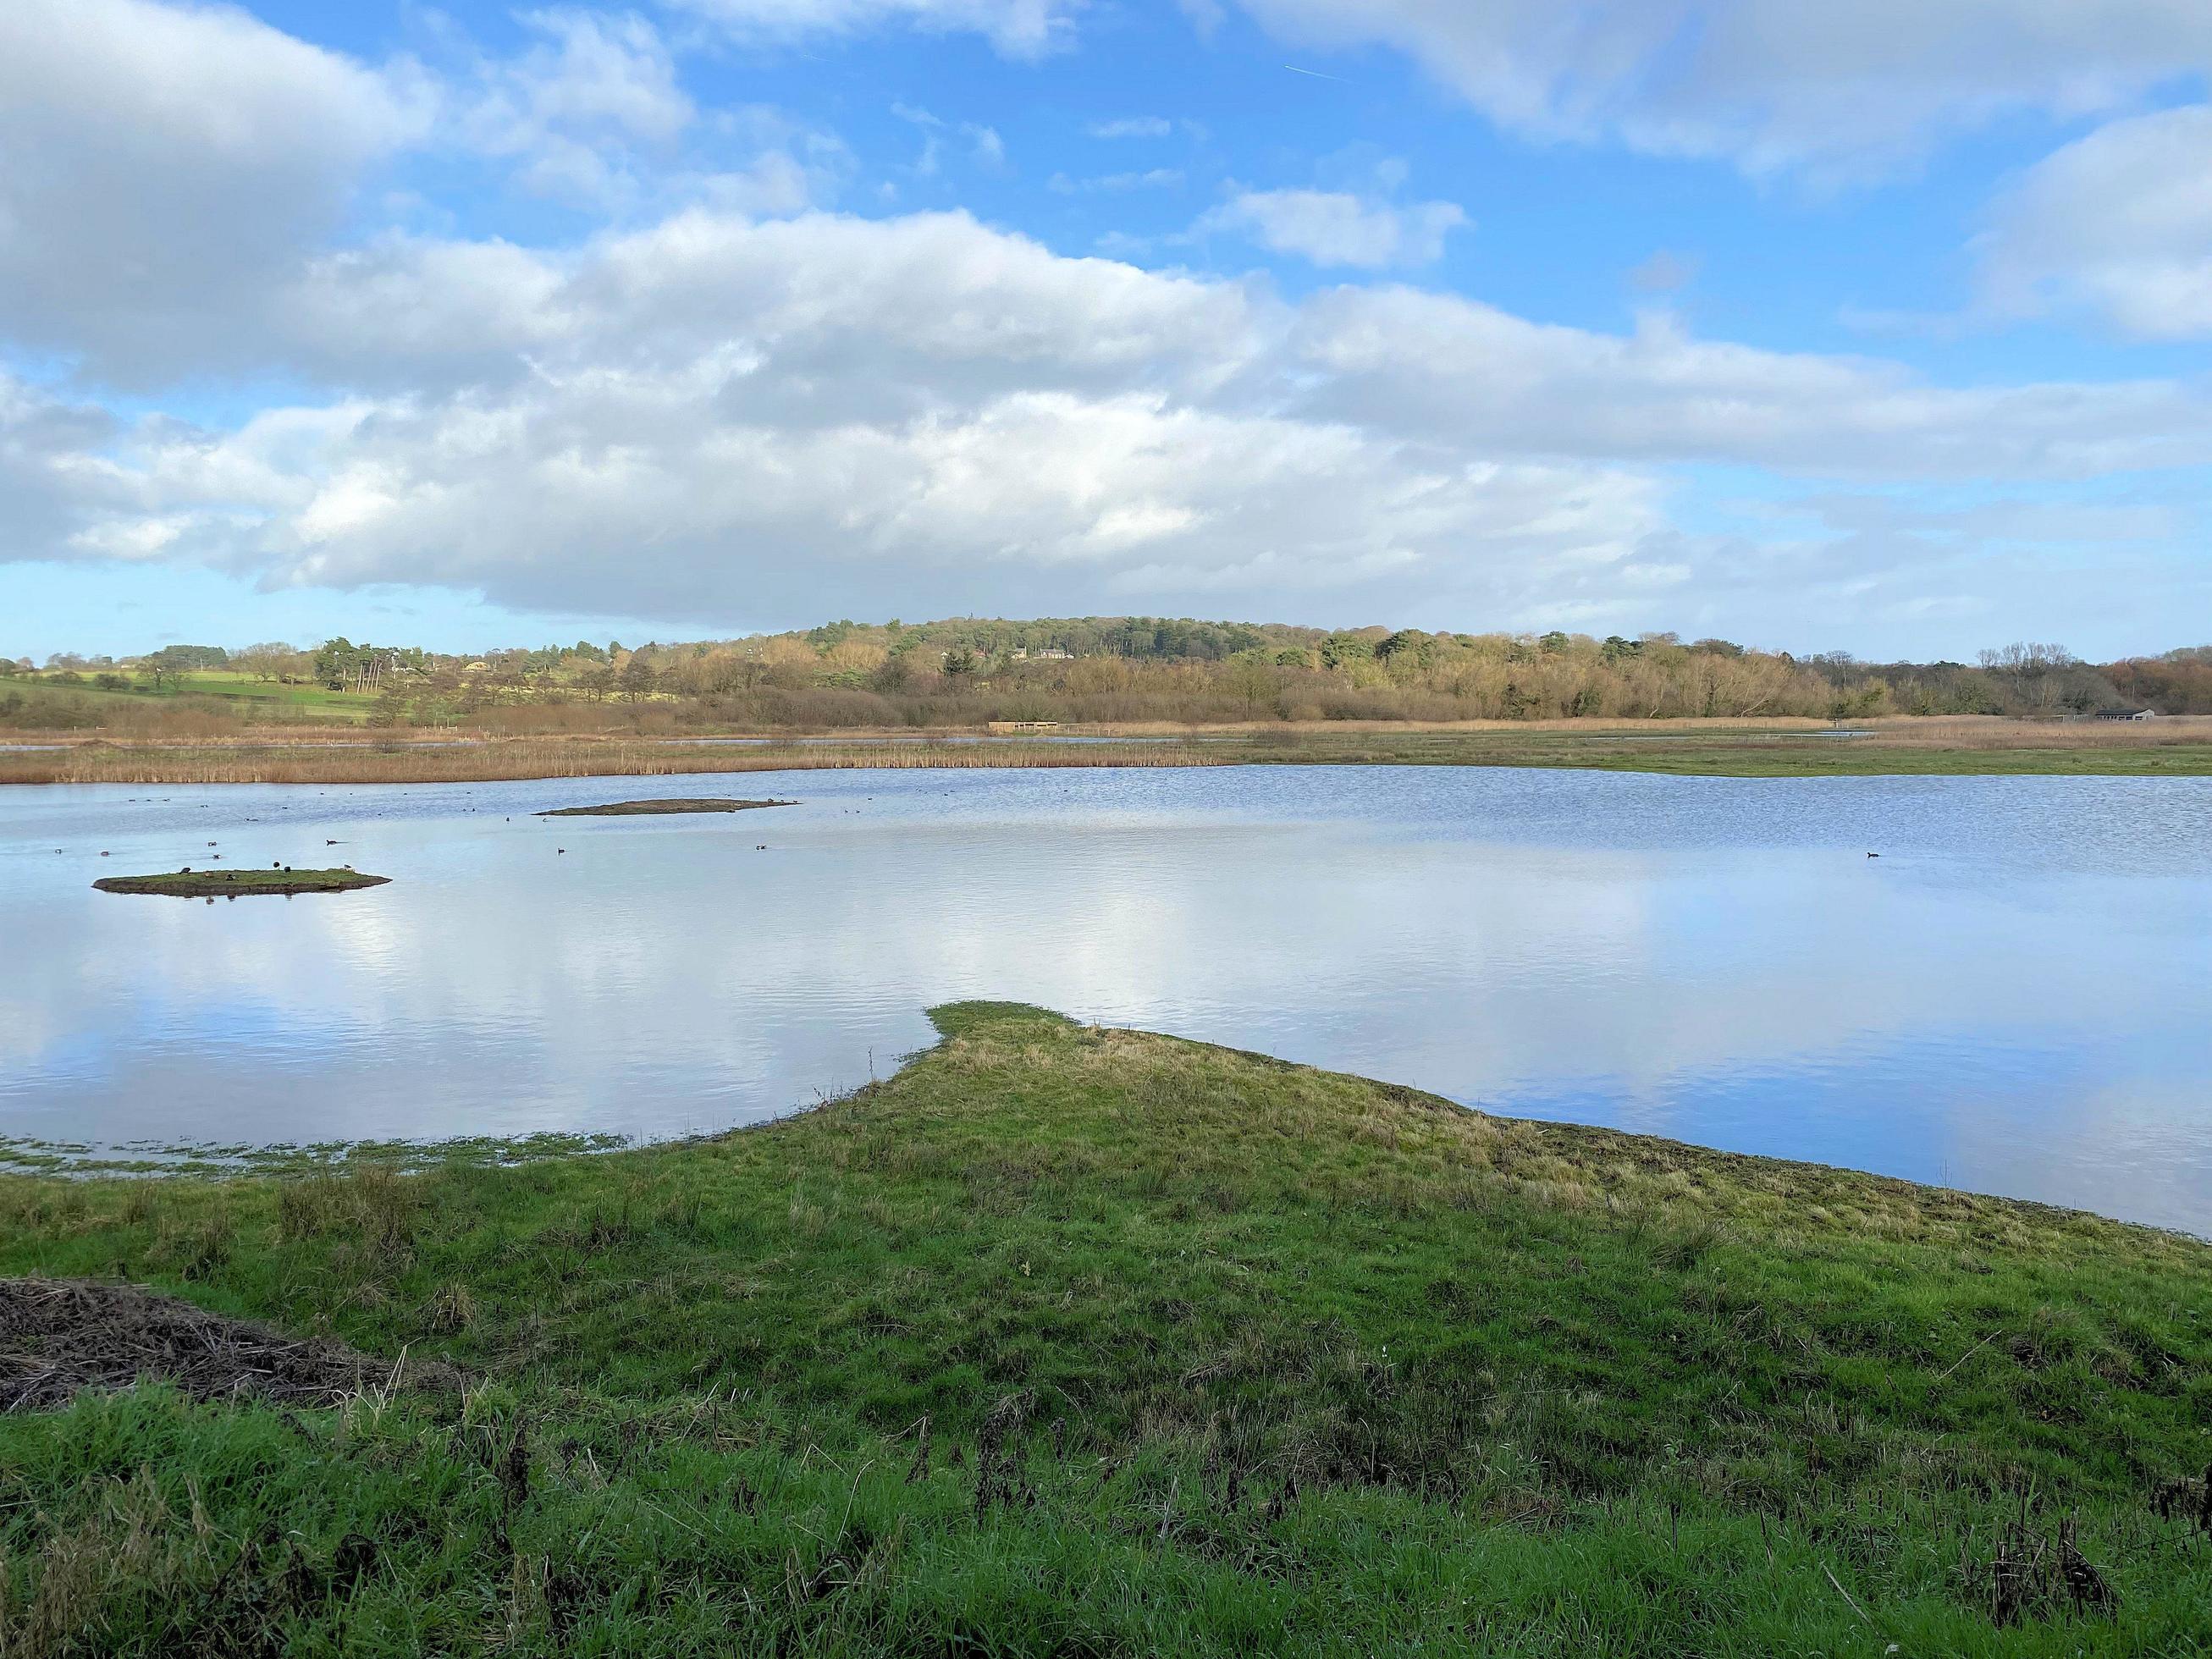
x=1881, y=328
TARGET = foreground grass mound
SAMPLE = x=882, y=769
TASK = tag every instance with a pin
x=1067, y=1340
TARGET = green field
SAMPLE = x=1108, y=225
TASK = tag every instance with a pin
x=1069, y=1341
x=258, y=698
x=46, y=701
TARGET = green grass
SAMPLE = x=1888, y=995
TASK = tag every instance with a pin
x=261, y=697
x=1077, y=1342
x=190, y=704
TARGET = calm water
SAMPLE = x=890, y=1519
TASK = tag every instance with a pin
x=2016, y=997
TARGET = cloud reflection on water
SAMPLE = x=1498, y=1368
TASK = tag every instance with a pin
x=2011, y=998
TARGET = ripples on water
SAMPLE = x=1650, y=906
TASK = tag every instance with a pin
x=2014, y=997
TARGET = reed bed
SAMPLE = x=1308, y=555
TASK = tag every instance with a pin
x=2176, y=746
x=567, y=757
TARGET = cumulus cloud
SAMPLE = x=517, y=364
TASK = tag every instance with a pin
x=781, y=417
x=745, y=405
x=2118, y=224
x=1332, y=228
x=712, y=504
x=1019, y=28
x=1771, y=84
x=50, y=484
x=1404, y=360
x=156, y=163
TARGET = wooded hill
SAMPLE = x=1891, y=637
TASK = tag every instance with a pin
x=967, y=670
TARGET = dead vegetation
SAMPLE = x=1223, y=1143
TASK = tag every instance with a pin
x=2029, y=1576
x=60, y=1337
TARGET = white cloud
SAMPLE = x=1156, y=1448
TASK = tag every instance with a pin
x=1135, y=126
x=1401, y=359
x=571, y=106
x=1118, y=183
x=1331, y=228
x=171, y=179
x=985, y=148
x=1030, y=494
x=2118, y=223
x=155, y=161
x=1773, y=83
x=1018, y=28
x=712, y=408
x=49, y=481
x=825, y=413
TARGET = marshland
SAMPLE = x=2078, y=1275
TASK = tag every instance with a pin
x=1716, y=1186
x=556, y=1102
x=1106, y=691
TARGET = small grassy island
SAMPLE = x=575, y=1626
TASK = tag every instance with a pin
x=230, y=884
x=1068, y=1341
x=628, y=809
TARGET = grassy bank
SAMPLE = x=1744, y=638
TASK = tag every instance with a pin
x=1064, y=1340
x=2176, y=748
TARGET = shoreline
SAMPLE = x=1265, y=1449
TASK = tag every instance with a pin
x=31, y=1158
x=1055, y=1331
x=1898, y=747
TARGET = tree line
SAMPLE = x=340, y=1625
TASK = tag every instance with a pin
x=967, y=670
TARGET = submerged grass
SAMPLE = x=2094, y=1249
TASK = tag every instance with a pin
x=1071, y=1340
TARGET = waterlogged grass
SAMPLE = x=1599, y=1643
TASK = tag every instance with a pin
x=24, y=1155
x=1071, y=1340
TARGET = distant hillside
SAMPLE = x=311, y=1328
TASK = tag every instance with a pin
x=962, y=671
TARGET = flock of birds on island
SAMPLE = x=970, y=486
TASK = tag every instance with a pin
x=758, y=847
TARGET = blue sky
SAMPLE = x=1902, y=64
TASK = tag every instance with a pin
x=1882, y=331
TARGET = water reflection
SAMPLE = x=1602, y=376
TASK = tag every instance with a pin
x=2013, y=997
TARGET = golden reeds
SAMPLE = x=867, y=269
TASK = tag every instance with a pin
x=329, y=757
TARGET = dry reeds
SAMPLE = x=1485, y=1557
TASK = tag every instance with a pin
x=558, y=757
x=326, y=757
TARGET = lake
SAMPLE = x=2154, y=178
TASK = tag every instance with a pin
x=2014, y=997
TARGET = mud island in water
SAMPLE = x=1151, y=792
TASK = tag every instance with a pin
x=210, y=883
x=625, y=809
